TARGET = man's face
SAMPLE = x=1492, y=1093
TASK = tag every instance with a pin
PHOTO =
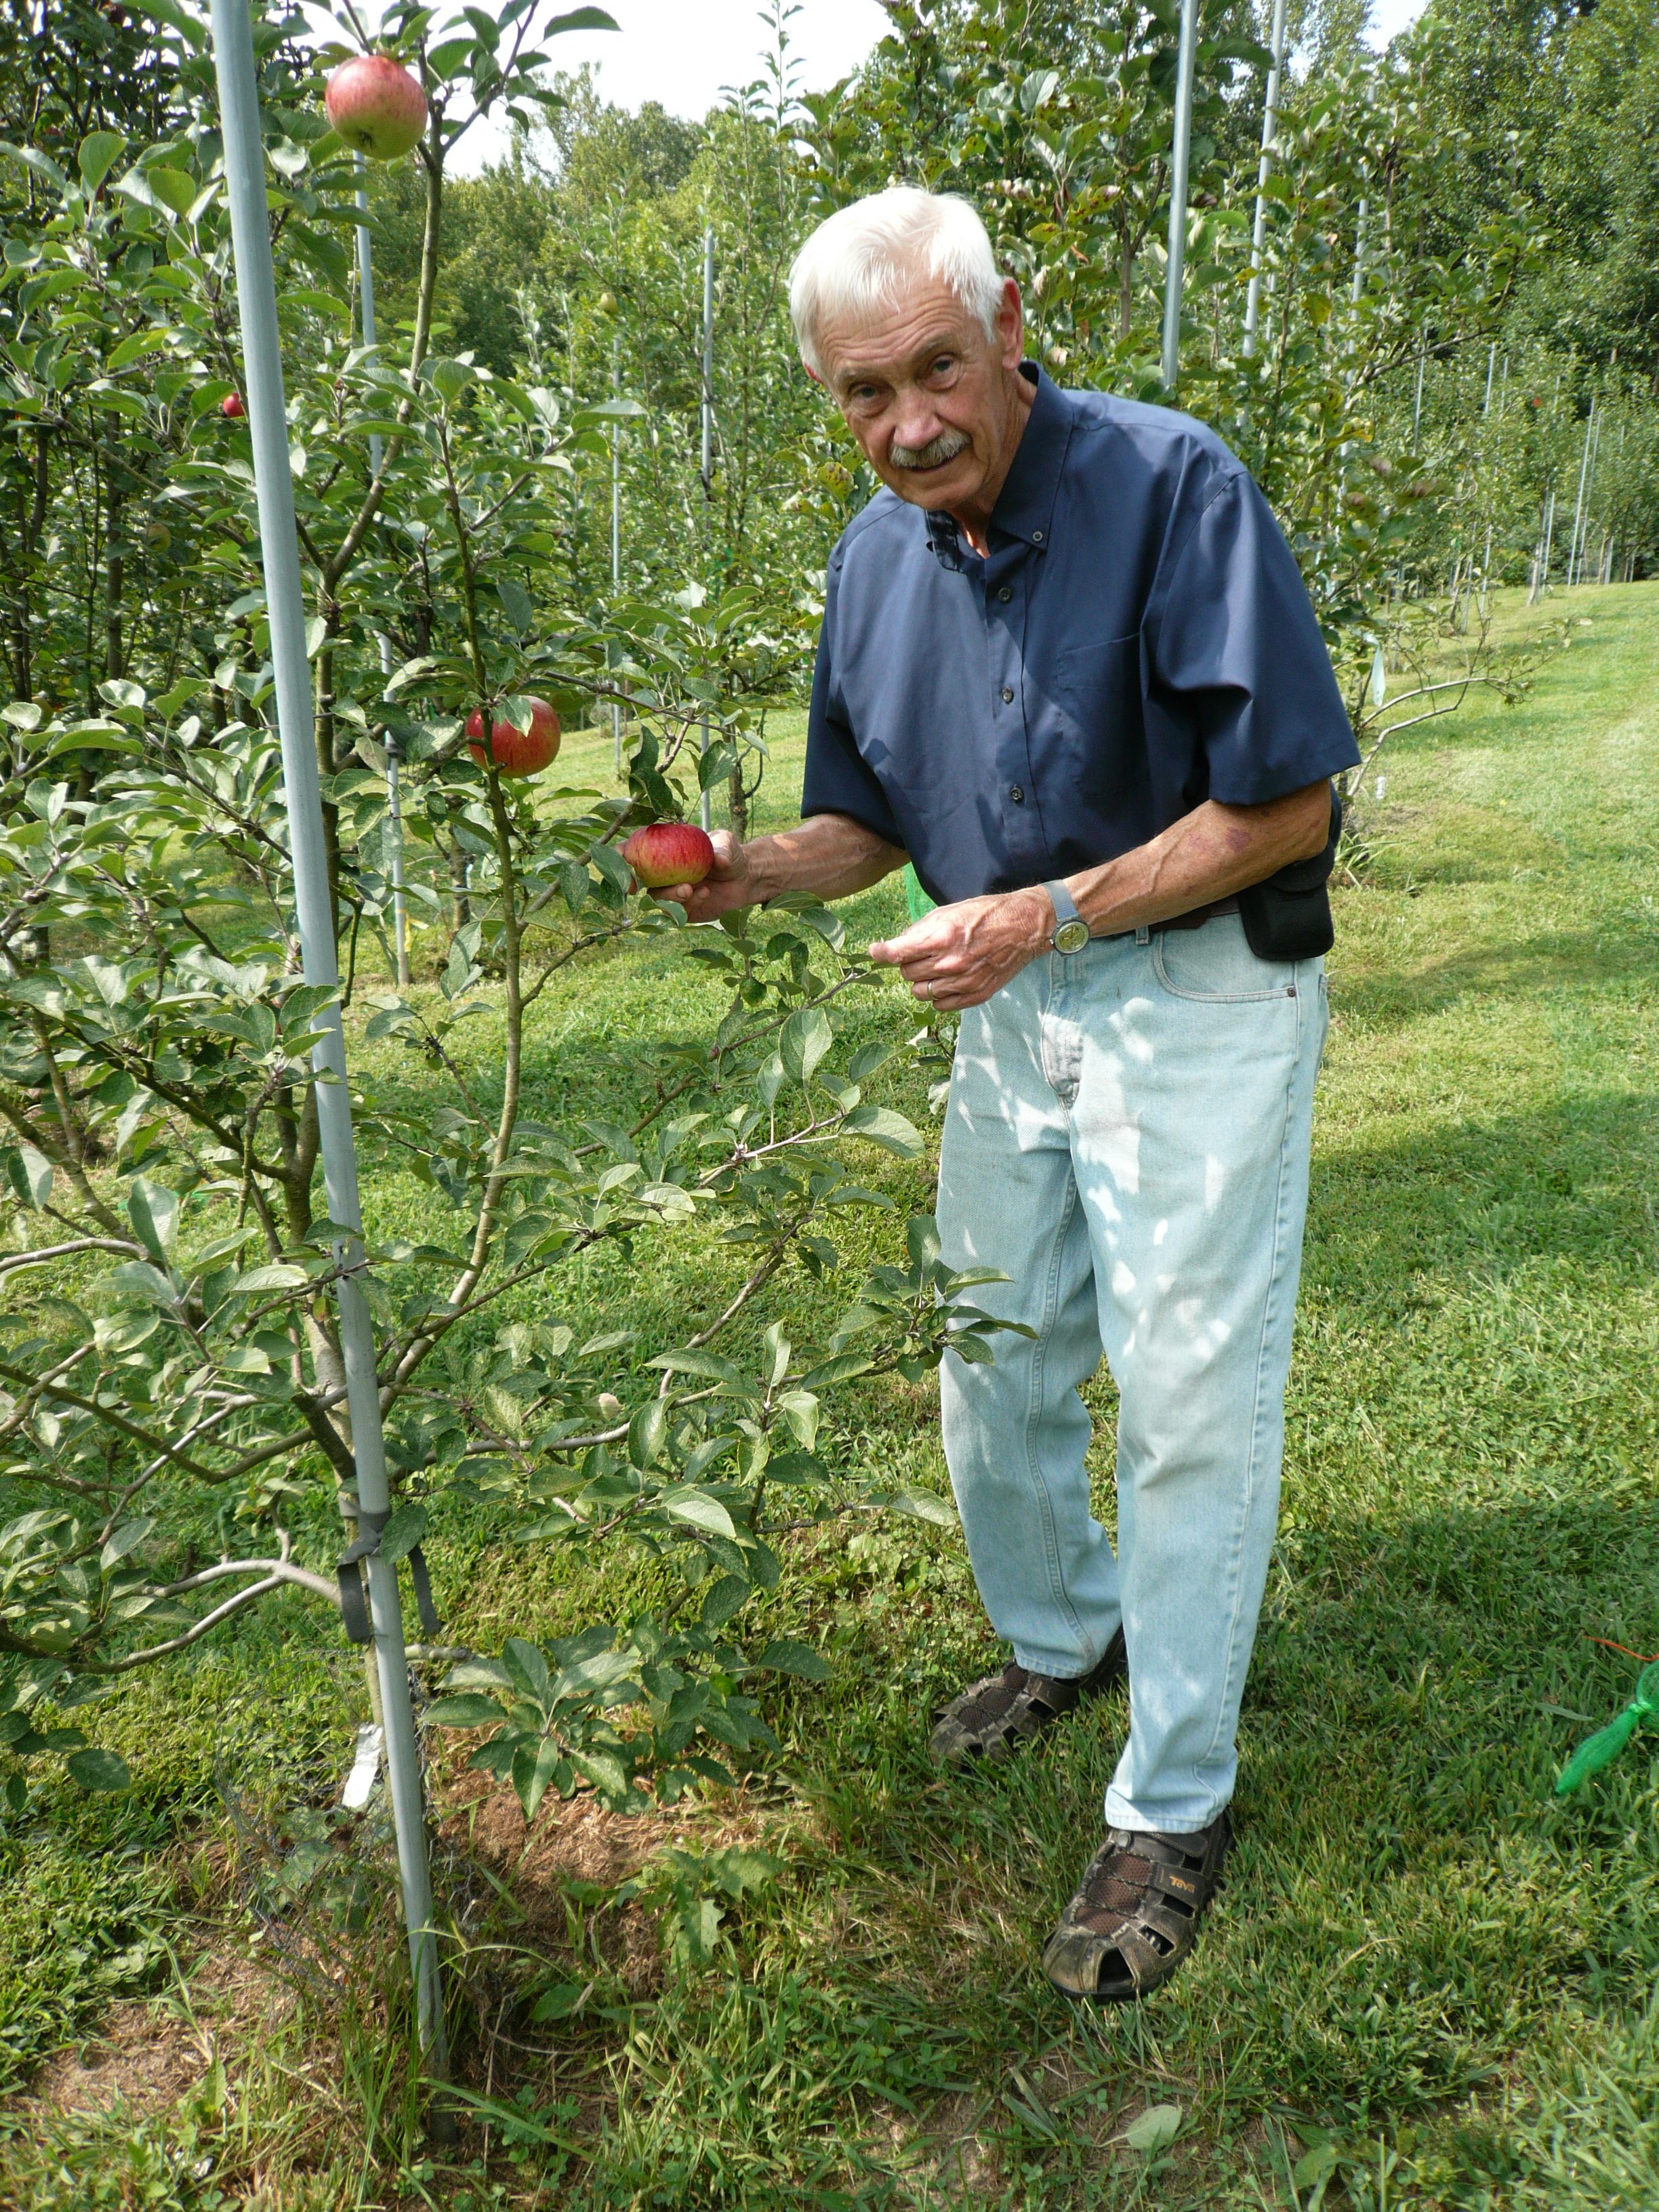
x=929, y=397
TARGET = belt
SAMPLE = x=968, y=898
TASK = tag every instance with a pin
x=1195, y=920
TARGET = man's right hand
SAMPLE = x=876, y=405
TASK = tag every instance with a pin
x=728, y=883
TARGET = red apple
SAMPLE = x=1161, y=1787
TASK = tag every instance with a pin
x=669, y=852
x=231, y=407
x=376, y=106
x=517, y=752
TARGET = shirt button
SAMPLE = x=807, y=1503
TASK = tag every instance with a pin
x=1016, y=795
x=1037, y=537
x=1007, y=695
x=1005, y=593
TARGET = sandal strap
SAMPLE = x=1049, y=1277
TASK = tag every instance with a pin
x=990, y=1717
x=1134, y=1915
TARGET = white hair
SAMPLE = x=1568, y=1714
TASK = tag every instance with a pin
x=857, y=262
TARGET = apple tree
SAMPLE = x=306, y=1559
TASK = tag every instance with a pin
x=174, y=1442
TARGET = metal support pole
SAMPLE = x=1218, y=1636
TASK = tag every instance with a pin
x=394, y=813
x=1549, y=539
x=376, y=449
x=616, y=533
x=1357, y=288
x=1578, y=510
x=1417, y=403
x=707, y=427
x=256, y=295
x=1180, y=151
x=1589, y=491
x=1491, y=364
x=1269, y=132
x=707, y=408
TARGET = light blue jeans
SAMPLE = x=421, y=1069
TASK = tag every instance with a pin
x=1127, y=1139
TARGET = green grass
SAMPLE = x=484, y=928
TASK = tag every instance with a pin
x=1427, y=1984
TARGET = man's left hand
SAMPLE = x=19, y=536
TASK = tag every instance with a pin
x=958, y=955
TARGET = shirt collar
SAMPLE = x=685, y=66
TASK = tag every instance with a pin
x=1025, y=505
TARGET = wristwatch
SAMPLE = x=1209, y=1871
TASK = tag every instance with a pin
x=1071, y=932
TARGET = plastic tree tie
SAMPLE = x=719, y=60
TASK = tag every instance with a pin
x=1600, y=1749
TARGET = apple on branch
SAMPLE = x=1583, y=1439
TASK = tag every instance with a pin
x=667, y=853
x=376, y=106
x=516, y=752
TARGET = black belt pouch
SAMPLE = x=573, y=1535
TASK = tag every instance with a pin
x=1288, y=917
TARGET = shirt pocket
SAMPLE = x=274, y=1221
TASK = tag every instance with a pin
x=1096, y=690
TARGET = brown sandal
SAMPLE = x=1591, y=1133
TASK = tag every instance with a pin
x=1135, y=1913
x=990, y=1718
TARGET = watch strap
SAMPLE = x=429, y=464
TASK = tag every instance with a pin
x=1065, y=907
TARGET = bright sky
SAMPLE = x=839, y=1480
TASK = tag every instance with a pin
x=683, y=52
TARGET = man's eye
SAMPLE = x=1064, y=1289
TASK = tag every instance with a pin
x=944, y=365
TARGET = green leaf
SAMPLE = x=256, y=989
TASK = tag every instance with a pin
x=172, y=188
x=1151, y=2131
x=127, y=1538
x=806, y=1037
x=99, y=1770
x=281, y=1275
x=606, y=1772
x=558, y=2001
x=924, y=1505
x=885, y=1127
x=402, y=1531
x=528, y=1668
x=468, y=1709
x=532, y=1770
x=700, y=1510
x=516, y=601
x=785, y=1656
x=580, y=19
x=449, y=378
x=724, y=1597
x=708, y=1363
x=154, y=1212
x=30, y=1173
x=840, y=1369
x=647, y=1432
x=98, y=150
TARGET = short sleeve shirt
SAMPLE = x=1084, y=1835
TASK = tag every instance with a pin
x=1137, y=640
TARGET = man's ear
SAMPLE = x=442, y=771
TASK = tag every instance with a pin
x=1011, y=325
x=811, y=371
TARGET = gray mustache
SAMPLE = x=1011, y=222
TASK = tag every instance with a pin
x=933, y=454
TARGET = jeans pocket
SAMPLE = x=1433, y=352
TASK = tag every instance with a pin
x=1214, y=966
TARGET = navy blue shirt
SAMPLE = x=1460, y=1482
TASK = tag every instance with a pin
x=1137, y=639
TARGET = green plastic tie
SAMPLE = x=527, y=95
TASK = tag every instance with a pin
x=916, y=901
x=1600, y=1749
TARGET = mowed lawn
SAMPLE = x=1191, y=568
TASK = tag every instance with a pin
x=1427, y=1983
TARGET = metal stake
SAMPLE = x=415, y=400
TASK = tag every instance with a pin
x=1180, y=151
x=616, y=533
x=393, y=799
x=1269, y=132
x=707, y=427
x=256, y=295
x=1417, y=403
x=1357, y=288
x=1578, y=511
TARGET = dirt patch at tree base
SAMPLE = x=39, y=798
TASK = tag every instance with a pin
x=149, y=2053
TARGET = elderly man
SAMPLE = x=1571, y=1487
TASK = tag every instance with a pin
x=1068, y=667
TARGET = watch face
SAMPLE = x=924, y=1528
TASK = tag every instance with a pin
x=1070, y=936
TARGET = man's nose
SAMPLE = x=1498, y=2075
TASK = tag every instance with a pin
x=916, y=421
